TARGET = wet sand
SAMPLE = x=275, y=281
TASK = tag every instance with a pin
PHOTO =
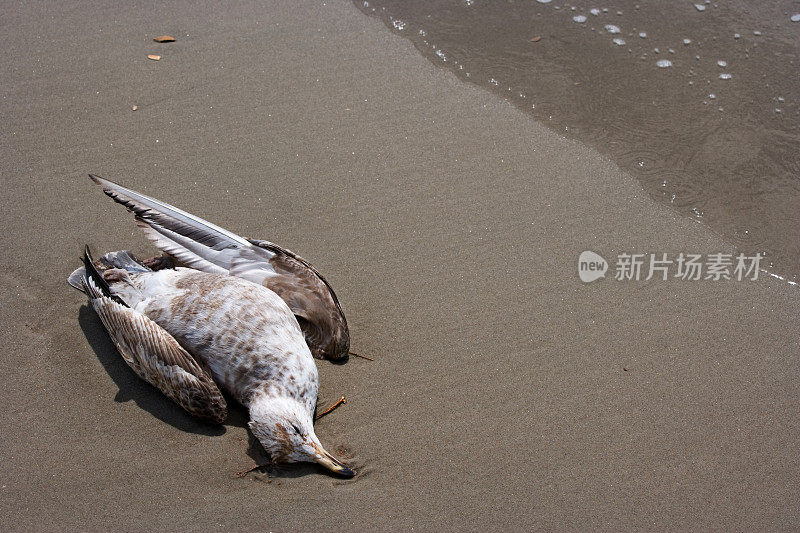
x=712, y=134
x=505, y=392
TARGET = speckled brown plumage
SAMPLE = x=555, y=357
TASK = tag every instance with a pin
x=157, y=358
x=187, y=332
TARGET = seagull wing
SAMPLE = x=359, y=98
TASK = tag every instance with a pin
x=195, y=242
x=201, y=245
x=157, y=357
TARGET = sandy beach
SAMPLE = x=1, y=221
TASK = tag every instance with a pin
x=505, y=393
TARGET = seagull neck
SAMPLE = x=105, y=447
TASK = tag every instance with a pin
x=263, y=405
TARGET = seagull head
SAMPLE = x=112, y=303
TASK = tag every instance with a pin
x=285, y=429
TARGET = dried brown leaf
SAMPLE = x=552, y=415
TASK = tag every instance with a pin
x=154, y=57
x=536, y=39
x=164, y=39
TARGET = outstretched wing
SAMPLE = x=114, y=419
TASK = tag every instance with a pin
x=201, y=245
x=156, y=356
x=195, y=242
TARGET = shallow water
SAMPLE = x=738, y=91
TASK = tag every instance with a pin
x=698, y=101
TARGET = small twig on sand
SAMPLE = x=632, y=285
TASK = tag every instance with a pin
x=361, y=356
x=331, y=408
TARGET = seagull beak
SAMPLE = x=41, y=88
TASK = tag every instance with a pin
x=331, y=463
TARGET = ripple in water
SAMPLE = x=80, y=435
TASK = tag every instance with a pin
x=731, y=166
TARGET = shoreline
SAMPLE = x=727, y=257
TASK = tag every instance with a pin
x=669, y=128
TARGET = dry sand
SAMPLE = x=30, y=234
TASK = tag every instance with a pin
x=449, y=224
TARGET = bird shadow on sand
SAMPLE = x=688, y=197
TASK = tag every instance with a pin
x=131, y=387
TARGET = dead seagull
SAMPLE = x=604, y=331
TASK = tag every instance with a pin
x=186, y=332
x=203, y=246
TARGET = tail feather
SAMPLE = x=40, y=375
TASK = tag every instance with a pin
x=124, y=260
x=94, y=284
x=76, y=278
